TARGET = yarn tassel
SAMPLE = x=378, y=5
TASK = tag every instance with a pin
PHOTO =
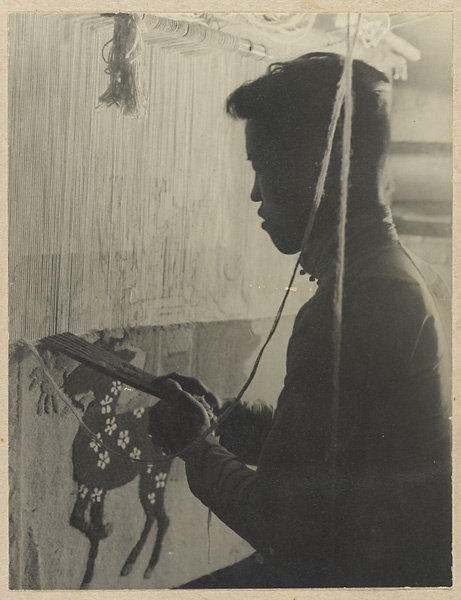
x=127, y=88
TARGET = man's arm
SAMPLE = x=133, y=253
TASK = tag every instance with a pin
x=284, y=503
x=228, y=487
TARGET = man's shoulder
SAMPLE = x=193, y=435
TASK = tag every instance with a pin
x=394, y=280
x=391, y=287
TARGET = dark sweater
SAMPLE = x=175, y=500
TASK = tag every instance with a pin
x=390, y=521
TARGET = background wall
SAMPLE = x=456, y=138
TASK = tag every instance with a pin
x=421, y=158
x=141, y=233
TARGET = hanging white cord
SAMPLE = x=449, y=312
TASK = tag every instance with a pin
x=340, y=262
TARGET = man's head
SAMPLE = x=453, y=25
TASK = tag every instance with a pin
x=288, y=112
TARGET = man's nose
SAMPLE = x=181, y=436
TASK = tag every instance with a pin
x=256, y=192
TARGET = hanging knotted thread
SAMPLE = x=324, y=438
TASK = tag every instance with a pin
x=340, y=264
x=127, y=88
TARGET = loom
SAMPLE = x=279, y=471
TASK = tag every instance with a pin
x=112, y=365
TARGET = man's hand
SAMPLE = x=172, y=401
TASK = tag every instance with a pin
x=178, y=419
x=196, y=387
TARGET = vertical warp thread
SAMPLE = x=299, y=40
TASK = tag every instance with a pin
x=340, y=262
x=208, y=527
x=67, y=199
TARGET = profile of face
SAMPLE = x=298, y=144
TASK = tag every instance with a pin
x=282, y=186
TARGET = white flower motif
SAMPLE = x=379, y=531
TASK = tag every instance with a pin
x=123, y=439
x=138, y=412
x=82, y=490
x=96, y=495
x=151, y=497
x=94, y=445
x=106, y=405
x=111, y=426
x=160, y=479
x=104, y=459
x=135, y=453
x=116, y=387
x=149, y=469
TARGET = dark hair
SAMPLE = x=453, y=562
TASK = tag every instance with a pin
x=294, y=100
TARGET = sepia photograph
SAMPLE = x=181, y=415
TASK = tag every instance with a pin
x=230, y=300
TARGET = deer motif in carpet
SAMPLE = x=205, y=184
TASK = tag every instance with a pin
x=97, y=472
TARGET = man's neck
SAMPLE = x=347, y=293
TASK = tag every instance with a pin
x=365, y=231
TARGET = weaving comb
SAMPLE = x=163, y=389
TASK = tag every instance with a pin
x=105, y=362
